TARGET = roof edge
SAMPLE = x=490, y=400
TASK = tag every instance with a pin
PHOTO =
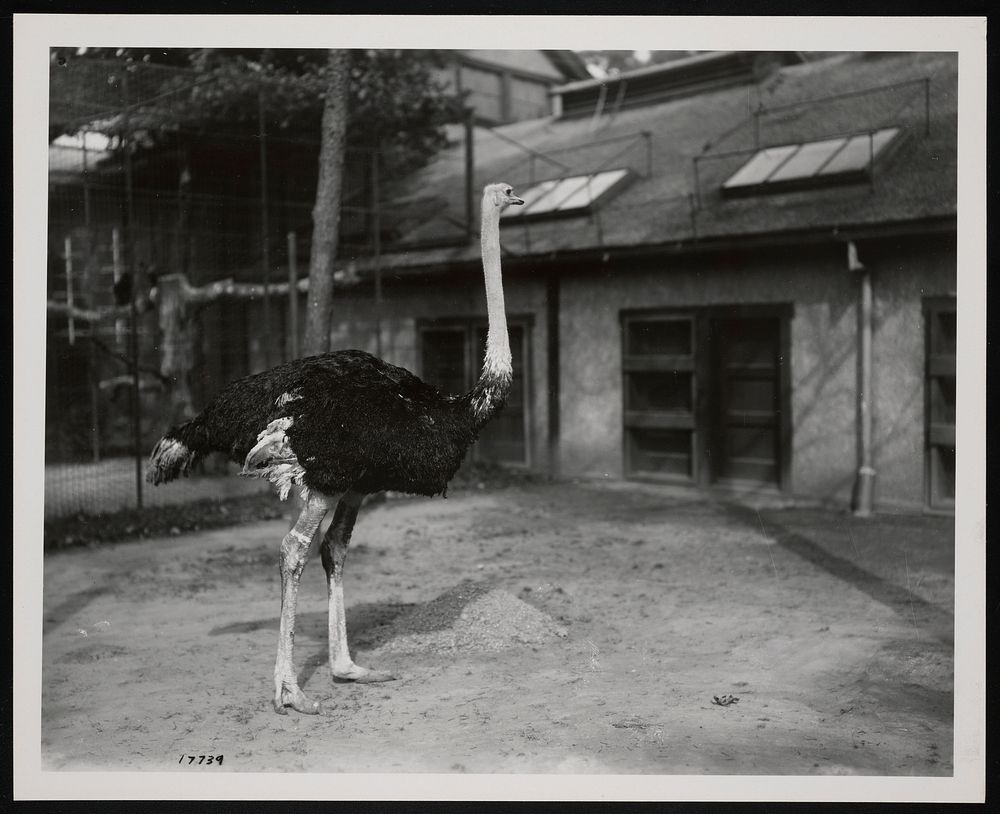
x=568, y=62
x=831, y=234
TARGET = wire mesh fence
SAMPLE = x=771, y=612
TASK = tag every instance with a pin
x=139, y=190
x=107, y=399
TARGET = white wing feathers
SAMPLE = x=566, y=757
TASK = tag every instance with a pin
x=272, y=459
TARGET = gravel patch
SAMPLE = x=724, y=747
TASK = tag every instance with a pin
x=471, y=616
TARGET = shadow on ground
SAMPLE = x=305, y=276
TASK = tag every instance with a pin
x=899, y=598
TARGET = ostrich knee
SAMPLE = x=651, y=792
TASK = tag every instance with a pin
x=333, y=550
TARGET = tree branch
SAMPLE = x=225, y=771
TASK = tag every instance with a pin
x=199, y=295
x=87, y=314
x=126, y=378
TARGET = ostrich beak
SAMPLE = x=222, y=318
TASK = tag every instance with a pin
x=514, y=201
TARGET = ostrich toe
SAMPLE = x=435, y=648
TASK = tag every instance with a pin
x=296, y=699
x=362, y=675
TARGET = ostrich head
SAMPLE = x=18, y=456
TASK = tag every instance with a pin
x=501, y=196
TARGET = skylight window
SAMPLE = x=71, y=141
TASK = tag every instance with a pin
x=758, y=168
x=794, y=166
x=569, y=196
x=806, y=160
x=534, y=194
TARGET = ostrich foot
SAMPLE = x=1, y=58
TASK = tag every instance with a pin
x=292, y=696
x=360, y=675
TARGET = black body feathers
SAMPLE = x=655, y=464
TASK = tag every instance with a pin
x=356, y=422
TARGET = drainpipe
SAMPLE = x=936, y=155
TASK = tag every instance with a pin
x=865, y=484
x=552, y=354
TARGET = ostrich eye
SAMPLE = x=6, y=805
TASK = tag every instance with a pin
x=508, y=191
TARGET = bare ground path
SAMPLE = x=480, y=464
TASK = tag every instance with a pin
x=835, y=635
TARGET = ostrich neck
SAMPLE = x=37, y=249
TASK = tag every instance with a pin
x=494, y=382
x=497, y=344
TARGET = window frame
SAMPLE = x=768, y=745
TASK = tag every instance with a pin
x=468, y=326
x=936, y=434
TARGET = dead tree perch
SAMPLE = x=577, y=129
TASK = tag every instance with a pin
x=87, y=314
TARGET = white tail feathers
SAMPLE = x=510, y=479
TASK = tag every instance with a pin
x=170, y=458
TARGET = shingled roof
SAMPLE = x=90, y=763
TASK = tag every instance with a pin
x=672, y=202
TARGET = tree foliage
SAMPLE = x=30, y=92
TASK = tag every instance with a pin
x=166, y=99
x=394, y=98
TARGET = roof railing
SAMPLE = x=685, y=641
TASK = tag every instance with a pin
x=767, y=111
x=762, y=112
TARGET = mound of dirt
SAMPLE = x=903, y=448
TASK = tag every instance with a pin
x=470, y=616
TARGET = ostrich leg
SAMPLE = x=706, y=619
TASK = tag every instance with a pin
x=294, y=548
x=334, y=552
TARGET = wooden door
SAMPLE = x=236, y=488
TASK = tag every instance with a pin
x=443, y=362
x=746, y=444
x=660, y=387
x=451, y=360
x=942, y=331
x=503, y=440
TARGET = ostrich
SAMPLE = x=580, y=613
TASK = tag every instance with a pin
x=345, y=424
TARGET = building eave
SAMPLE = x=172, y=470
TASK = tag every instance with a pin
x=563, y=261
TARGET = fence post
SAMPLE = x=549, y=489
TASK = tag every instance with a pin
x=95, y=398
x=116, y=275
x=377, y=250
x=90, y=278
x=293, y=296
x=133, y=284
x=68, y=250
x=265, y=247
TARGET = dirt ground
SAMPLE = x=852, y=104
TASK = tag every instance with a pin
x=554, y=628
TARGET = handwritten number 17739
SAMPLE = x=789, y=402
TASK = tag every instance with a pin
x=202, y=759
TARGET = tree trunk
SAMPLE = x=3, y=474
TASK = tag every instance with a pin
x=326, y=211
x=183, y=245
x=176, y=345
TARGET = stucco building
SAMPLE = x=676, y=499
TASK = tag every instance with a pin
x=718, y=257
